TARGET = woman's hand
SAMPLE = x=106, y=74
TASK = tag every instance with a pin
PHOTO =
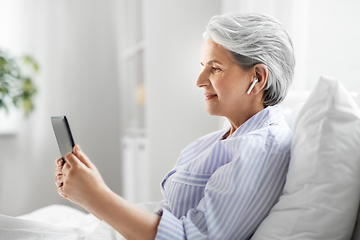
x=78, y=179
x=58, y=173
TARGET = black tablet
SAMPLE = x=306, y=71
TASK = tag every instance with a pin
x=63, y=135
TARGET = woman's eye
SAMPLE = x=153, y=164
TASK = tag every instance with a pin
x=216, y=69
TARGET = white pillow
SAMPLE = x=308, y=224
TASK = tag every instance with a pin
x=321, y=193
x=356, y=234
x=292, y=104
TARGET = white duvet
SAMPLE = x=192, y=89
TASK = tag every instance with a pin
x=57, y=222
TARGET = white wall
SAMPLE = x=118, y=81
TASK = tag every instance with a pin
x=175, y=107
x=334, y=37
x=75, y=44
x=325, y=34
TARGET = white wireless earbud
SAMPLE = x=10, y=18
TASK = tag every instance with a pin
x=252, y=85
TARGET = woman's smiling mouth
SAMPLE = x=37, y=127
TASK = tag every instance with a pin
x=209, y=96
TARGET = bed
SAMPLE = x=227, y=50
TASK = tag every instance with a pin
x=321, y=195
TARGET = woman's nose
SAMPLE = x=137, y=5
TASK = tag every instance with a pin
x=203, y=80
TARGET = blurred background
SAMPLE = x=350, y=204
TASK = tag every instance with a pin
x=124, y=72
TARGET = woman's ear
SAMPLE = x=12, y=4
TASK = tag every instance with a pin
x=261, y=73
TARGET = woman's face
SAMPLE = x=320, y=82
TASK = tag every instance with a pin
x=225, y=83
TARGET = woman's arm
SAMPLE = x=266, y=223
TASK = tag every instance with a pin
x=79, y=181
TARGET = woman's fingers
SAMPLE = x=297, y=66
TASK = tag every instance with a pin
x=77, y=159
x=59, y=181
x=58, y=170
x=71, y=160
x=82, y=156
x=59, y=162
x=77, y=178
x=61, y=192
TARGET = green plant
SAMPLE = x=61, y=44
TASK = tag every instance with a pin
x=15, y=88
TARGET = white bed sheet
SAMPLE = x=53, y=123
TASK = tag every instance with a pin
x=58, y=222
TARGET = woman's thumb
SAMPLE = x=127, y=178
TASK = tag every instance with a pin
x=82, y=156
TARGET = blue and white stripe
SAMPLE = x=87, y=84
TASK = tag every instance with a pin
x=223, y=189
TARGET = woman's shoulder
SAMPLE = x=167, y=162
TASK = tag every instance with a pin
x=271, y=130
x=200, y=145
x=208, y=139
x=213, y=136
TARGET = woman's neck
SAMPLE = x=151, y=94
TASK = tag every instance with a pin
x=237, y=121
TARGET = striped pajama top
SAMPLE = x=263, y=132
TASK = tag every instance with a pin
x=223, y=189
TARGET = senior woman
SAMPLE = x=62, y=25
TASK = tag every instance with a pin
x=225, y=183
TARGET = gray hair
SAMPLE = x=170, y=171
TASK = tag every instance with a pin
x=257, y=38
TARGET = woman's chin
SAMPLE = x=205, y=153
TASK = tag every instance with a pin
x=213, y=112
